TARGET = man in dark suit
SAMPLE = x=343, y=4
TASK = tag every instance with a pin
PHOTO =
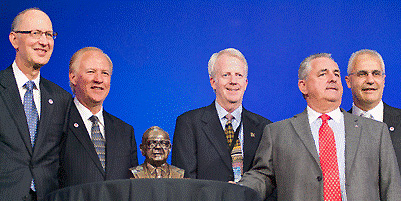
x=97, y=146
x=200, y=144
x=33, y=112
x=325, y=153
x=366, y=77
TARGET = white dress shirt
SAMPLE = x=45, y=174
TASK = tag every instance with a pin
x=376, y=112
x=336, y=123
x=86, y=114
x=21, y=79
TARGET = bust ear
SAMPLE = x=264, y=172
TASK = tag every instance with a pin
x=143, y=149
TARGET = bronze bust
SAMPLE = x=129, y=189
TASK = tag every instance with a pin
x=156, y=147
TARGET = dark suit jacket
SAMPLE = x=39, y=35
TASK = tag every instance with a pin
x=200, y=146
x=392, y=117
x=79, y=161
x=287, y=159
x=19, y=163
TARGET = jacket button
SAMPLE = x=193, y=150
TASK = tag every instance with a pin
x=319, y=178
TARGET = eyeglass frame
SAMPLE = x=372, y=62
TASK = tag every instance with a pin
x=364, y=73
x=40, y=33
x=161, y=143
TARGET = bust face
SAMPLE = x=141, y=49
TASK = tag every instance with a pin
x=156, y=147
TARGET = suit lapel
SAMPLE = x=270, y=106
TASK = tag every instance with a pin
x=111, y=142
x=251, y=137
x=46, y=102
x=391, y=117
x=214, y=131
x=78, y=128
x=302, y=128
x=10, y=94
x=352, y=137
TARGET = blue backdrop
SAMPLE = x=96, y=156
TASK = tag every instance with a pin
x=160, y=49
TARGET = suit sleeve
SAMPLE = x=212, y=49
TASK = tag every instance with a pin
x=134, y=156
x=184, y=147
x=261, y=175
x=390, y=180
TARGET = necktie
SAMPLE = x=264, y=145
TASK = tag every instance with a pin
x=236, y=152
x=229, y=131
x=367, y=115
x=31, y=115
x=98, y=140
x=328, y=161
x=30, y=111
x=158, y=173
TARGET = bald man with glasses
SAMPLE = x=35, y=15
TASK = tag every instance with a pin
x=33, y=112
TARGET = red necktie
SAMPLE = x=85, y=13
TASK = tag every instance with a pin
x=328, y=161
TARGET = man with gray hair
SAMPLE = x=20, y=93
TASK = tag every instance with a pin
x=366, y=77
x=325, y=153
x=32, y=112
x=218, y=142
x=97, y=146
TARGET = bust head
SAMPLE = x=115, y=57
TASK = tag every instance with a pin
x=155, y=146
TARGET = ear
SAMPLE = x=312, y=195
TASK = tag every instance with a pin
x=348, y=81
x=302, y=87
x=213, y=83
x=72, y=77
x=143, y=150
x=13, y=39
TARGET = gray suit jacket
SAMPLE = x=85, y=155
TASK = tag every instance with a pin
x=288, y=160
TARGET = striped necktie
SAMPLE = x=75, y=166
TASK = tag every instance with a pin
x=98, y=140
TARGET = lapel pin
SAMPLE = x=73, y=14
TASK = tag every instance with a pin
x=252, y=134
x=356, y=126
x=76, y=125
x=391, y=128
x=51, y=101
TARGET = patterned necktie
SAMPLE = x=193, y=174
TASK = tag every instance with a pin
x=98, y=140
x=30, y=111
x=236, y=152
x=229, y=131
x=31, y=115
x=328, y=161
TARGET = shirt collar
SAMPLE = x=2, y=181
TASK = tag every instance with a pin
x=152, y=169
x=21, y=78
x=313, y=115
x=86, y=113
x=376, y=112
x=221, y=112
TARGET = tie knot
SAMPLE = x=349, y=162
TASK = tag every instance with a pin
x=94, y=119
x=229, y=116
x=30, y=85
x=325, y=117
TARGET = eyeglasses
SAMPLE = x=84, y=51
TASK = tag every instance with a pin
x=364, y=74
x=36, y=34
x=165, y=144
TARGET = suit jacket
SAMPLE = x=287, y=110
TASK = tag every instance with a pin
x=19, y=162
x=287, y=159
x=78, y=158
x=200, y=146
x=392, y=117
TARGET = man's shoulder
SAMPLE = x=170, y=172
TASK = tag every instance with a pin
x=55, y=89
x=197, y=112
x=255, y=116
x=115, y=120
x=392, y=109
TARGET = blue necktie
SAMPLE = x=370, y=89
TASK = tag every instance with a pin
x=98, y=140
x=30, y=111
x=31, y=115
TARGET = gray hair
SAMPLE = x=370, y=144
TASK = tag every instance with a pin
x=351, y=62
x=230, y=51
x=305, y=66
x=17, y=18
x=77, y=56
